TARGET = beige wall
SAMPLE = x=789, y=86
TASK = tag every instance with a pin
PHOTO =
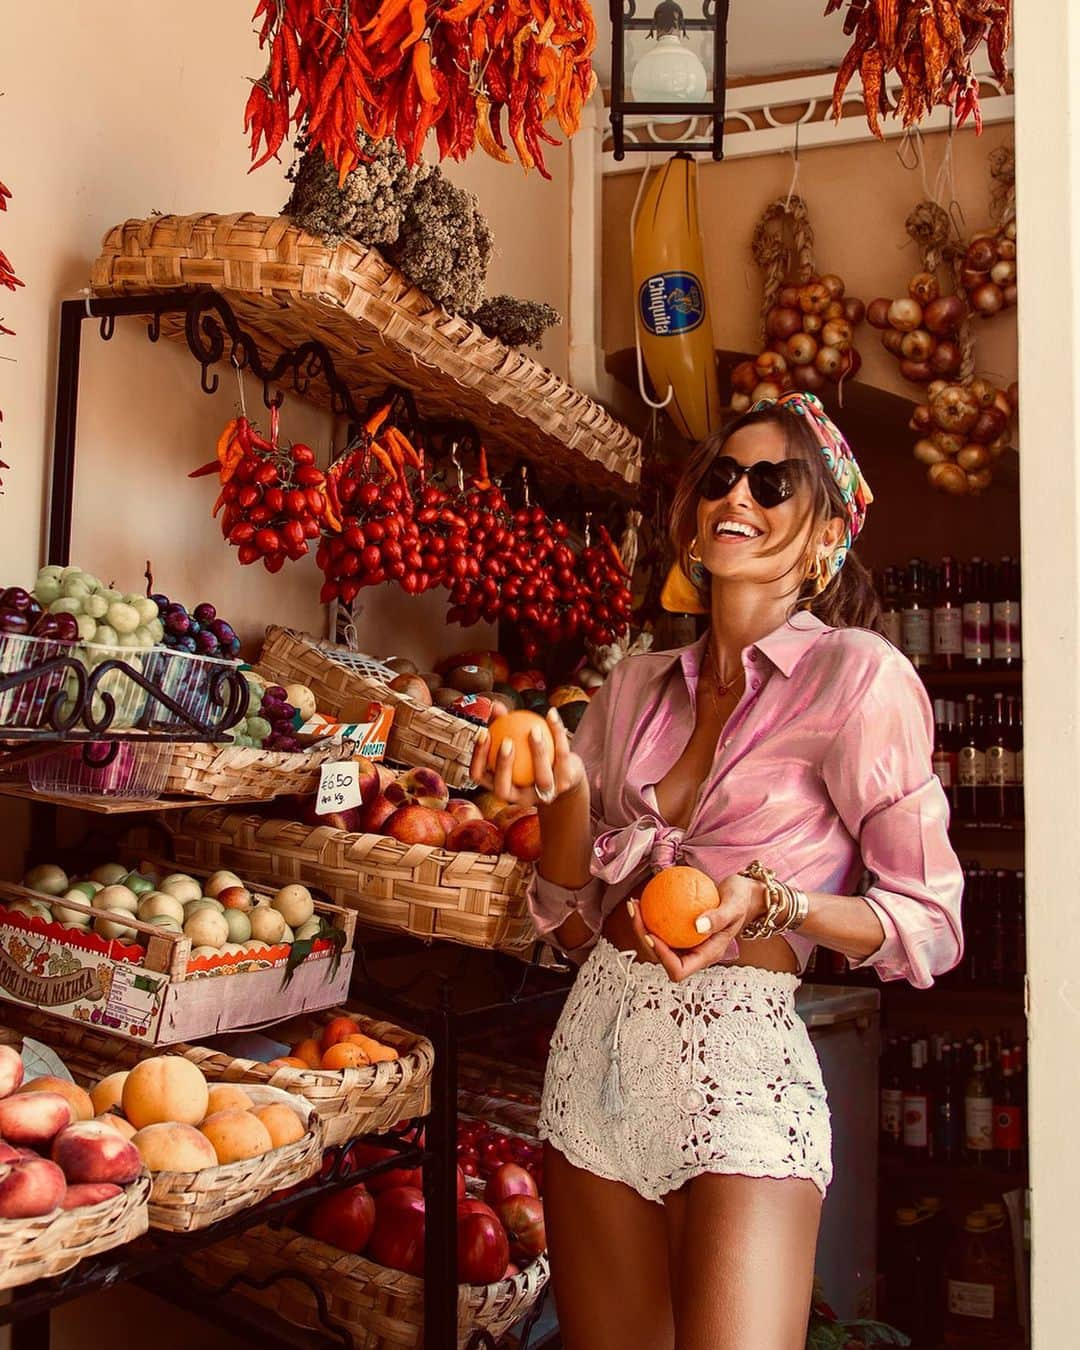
x=858, y=195
x=116, y=110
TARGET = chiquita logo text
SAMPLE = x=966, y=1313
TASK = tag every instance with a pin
x=670, y=303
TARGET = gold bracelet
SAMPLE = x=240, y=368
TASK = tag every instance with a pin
x=786, y=907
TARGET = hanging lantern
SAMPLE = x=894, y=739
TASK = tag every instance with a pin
x=669, y=80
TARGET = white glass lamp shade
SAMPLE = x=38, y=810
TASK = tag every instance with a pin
x=669, y=72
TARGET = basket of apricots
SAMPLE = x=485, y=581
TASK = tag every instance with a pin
x=211, y=1148
x=360, y=1076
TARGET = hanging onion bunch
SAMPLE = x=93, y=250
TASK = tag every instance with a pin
x=990, y=271
x=963, y=429
x=922, y=329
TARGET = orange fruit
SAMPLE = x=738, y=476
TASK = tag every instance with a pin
x=309, y=1051
x=282, y=1123
x=517, y=726
x=336, y=1030
x=375, y=1050
x=344, y=1055
x=288, y=1062
x=673, y=900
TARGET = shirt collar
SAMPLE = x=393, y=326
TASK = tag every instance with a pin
x=784, y=646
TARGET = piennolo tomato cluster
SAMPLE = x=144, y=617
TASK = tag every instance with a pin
x=402, y=68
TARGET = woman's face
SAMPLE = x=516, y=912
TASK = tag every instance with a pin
x=739, y=539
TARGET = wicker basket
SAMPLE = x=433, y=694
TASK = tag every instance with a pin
x=37, y=1249
x=348, y=1101
x=241, y=773
x=382, y=1309
x=423, y=737
x=459, y=897
x=287, y=286
x=183, y=1201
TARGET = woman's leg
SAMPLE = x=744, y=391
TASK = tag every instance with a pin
x=609, y=1261
x=742, y=1269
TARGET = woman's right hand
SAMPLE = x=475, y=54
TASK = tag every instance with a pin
x=554, y=775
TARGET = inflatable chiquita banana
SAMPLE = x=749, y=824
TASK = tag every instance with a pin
x=673, y=321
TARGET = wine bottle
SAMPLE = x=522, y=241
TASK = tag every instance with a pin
x=948, y=623
x=916, y=616
x=978, y=616
x=1006, y=616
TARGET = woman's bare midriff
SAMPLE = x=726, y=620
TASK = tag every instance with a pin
x=767, y=954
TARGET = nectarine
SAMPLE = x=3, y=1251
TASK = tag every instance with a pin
x=33, y=1119
x=30, y=1188
x=85, y=1193
x=82, y=1107
x=90, y=1150
x=11, y=1070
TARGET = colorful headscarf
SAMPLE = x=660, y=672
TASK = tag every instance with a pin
x=681, y=594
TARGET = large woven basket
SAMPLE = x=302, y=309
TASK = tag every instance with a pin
x=37, y=1249
x=234, y=773
x=382, y=1309
x=183, y=1201
x=422, y=737
x=286, y=286
x=460, y=897
x=348, y=1101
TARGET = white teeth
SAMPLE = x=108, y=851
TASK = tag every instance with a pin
x=736, y=527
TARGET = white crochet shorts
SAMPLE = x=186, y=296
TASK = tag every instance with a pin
x=652, y=1083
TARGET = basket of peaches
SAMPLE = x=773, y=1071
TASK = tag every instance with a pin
x=70, y=1186
x=211, y=1149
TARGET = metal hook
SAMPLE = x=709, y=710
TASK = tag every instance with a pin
x=209, y=386
x=277, y=400
x=154, y=331
x=107, y=326
x=908, y=144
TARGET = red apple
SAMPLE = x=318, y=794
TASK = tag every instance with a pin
x=397, y=1240
x=507, y=1180
x=475, y=836
x=483, y=1249
x=523, y=837
x=523, y=1218
x=374, y=816
x=416, y=825
x=345, y=1219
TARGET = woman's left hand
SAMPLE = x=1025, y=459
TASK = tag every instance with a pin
x=741, y=901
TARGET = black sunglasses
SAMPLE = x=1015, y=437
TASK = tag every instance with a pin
x=770, y=483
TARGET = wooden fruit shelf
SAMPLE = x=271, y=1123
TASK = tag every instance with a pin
x=285, y=286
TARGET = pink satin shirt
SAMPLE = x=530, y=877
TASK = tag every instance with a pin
x=823, y=773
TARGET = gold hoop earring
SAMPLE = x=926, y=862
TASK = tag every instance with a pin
x=818, y=575
x=692, y=552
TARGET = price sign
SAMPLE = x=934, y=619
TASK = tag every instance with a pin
x=339, y=787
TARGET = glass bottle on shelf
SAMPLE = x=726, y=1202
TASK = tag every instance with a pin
x=1008, y=1115
x=971, y=763
x=945, y=746
x=978, y=616
x=948, y=1112
x=979, y=1110
x=948, y=626
x=1006, y=616
x=917, y=1104
x=892, y=1097
x=891, y=621
x=916, y=616
x=1001, y=785
x=1015, y=718
x=981, y=1288
x=911, y=1303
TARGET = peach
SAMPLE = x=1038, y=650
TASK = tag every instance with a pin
x=11, y=1070
x=462, y=809
x=523, y=837
x=416, y=825
x=375, y=815
x=30, y=1188
x=425, y=787
x=236, y=897
x=412, y=687
x=107, y=1094
x=475, y=836
x=227, y=1097
x=90, y=1150
x=86, y=1193
x=164, y=1088
x=123, y=1128
x=170, y=1146
x=282, y=1123
x=236, y=1136
x=82, y=1107
x=34, y=1118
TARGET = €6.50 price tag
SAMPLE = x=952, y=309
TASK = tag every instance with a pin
x=339, y=787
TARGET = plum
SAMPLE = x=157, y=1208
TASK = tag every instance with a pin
x=205, y=613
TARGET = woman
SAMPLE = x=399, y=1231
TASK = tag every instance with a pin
x=688, y=1134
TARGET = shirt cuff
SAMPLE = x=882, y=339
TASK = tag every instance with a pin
x=550, y=906
x=892, y=961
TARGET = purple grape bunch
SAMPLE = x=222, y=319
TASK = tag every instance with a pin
x=281, y=715
x=200, y=632
x=22, y=615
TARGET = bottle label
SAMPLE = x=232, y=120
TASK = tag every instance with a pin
x=944, y=764
x=916, y=1134
x=1007, y=1128
x=979, y=1123
x=1000, y=766
x=1007, y=630
x=978, y=632
x=971, y=1300
x=949, y=632
x=971, y=767
x=915, y=632
x=892, y=1113
x=893, y=627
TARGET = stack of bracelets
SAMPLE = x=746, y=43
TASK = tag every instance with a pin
x=786, y=907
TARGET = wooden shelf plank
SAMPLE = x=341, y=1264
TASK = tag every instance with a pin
x=113, y=806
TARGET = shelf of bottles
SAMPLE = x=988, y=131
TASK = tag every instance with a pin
x=959, y=625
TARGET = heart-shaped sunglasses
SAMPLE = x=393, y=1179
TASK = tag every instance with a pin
x=770, y=482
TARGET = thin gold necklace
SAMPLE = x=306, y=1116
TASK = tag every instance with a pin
x=721, y=688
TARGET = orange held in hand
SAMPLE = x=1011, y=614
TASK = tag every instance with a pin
x=673, y=900
x=517, y=727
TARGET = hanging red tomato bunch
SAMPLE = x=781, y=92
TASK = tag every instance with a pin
x=402, y=68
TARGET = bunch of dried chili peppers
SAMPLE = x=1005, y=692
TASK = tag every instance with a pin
x=9, y=280
x=929, y=44
x=402, y=68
